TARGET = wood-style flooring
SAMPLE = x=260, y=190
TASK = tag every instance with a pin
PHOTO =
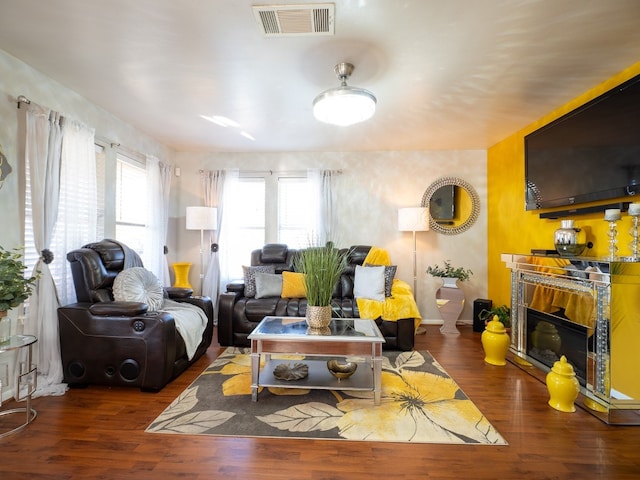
x=98, y=432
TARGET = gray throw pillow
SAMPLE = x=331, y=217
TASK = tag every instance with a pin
x=250, y=277
x=268, y=285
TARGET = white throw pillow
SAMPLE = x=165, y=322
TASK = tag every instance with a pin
x=369, y=283
x=138, y=284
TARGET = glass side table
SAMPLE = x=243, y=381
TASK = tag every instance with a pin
x=26, y=382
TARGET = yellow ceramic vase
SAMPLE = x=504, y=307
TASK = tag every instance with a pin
x=181, y=269
x=495, y=342
x=563, y=386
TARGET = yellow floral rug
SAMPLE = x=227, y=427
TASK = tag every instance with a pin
x=420, y=404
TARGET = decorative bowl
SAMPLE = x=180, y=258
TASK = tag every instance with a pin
x=287, y=372
x=341, y=370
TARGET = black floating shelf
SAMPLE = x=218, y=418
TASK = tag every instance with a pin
x=623, y=206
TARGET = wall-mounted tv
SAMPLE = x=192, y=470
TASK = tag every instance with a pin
x=589, y=154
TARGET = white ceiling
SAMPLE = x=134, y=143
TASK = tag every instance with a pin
x=448, y=74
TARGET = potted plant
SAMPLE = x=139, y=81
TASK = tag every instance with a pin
x=449, y=271
x=503, y=313
x=15, y=288
x=322, y=267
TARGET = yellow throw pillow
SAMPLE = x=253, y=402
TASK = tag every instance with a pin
x=293, y=285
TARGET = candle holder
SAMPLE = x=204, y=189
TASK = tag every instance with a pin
x=634, y=237
x=613, y=232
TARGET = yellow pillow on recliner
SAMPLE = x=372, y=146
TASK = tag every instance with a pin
x=293, y=285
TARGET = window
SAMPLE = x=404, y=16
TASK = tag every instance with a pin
x=296, y=212
x=131, y=203
x=269, y=208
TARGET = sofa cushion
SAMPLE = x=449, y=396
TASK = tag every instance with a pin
x=250, y=277
x=293, y=285
x=268, y=285
x=389, y=275
x=369, y=283
x=138, y=284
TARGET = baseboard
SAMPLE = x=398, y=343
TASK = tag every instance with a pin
x=437, y=321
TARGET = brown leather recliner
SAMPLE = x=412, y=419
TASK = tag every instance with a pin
x=120, y=343
x=238, y=315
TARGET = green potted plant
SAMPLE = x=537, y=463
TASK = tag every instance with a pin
x=322, y=267
x=449, y=271
x=503, y=313
x=15, y=288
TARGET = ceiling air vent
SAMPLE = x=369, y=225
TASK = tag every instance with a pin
x=295, y=20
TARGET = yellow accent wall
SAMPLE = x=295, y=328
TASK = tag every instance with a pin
x=510, y=228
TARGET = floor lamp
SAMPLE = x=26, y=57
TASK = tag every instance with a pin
x=413, y=219
x=202, y=218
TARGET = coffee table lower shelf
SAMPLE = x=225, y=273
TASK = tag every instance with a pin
x=319, y=378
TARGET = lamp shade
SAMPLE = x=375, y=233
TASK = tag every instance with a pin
x=344, y=106
x=413, y=219
x=202, y=218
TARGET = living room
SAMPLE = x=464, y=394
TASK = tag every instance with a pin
x=370, y=189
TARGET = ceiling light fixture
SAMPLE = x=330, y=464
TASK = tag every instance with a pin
x=344, y=105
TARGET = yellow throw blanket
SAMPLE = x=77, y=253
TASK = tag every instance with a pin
x=578, y=307
x=400, y=304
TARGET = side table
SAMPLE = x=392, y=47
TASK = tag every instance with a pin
x=27, y=380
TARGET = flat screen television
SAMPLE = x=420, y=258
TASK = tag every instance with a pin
x=442, y=204
x=589, y=154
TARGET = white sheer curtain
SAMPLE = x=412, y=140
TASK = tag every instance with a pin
x=225, y=232
x=77, y=208
x=60, y=158
x=159, y=177
x=321, y=182
x=213, y=188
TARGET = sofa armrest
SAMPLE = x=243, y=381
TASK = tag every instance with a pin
x=226, y=303
x=236, y=287
x=175, y=293
x=126, y=309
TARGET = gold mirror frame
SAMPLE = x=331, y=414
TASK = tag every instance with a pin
x=475, y=205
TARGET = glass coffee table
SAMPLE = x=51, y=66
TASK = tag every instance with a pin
x=357, y=339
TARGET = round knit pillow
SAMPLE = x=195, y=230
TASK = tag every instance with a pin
x=138, y=284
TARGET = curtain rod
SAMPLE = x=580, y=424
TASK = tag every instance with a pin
x=124, y=150
x=23, y=99
x=271, y=172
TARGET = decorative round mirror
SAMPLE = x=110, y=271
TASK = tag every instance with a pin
x=454, y=205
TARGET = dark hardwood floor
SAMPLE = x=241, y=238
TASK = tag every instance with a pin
x=98, y=432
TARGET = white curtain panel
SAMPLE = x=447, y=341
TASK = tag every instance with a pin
x=213, y=188
x=321, y=182
x=77, y=207
x=225, y=237
x=43, y=145
x=159, y=177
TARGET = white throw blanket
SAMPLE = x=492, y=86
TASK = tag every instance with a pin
x=190, y=323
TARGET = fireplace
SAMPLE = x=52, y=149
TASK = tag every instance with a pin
x=551, y=336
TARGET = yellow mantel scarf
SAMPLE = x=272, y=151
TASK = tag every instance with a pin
x=400, y=304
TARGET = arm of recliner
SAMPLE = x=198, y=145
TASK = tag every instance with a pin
x=126, y=309
x=226, y=302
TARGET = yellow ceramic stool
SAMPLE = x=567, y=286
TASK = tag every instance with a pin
x=181, y=269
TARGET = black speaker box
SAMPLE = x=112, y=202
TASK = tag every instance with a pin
x=480, y=304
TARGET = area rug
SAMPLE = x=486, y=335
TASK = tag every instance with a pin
x=420, y=404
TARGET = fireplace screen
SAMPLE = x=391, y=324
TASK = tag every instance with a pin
x=549, y=337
